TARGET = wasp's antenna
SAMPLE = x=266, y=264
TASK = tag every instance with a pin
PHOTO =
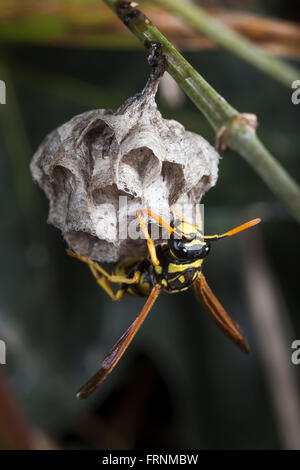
x=233, y=231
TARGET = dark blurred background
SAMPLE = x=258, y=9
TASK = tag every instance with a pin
x=182, y=384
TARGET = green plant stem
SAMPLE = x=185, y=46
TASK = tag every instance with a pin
x=213, y=106
x=239, y=135
x=232, y=41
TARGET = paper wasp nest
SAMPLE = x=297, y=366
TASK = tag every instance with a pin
x=88, y=162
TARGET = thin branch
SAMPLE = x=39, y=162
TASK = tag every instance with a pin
x=232, y=41
x=213, y=106
x=233, y=129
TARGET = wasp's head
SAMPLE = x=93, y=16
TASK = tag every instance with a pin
x=187, y=242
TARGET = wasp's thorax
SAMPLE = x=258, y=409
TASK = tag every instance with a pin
x=187, y=242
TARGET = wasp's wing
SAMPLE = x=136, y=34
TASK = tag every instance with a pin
x=218, y=313
x=119, y=348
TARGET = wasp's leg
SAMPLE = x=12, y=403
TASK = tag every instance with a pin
x=110, y=277
x=105, y=284
x=150, y=242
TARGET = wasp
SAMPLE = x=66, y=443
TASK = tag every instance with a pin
x=172, y=266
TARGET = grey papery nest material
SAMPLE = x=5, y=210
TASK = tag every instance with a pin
x=87, y=163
